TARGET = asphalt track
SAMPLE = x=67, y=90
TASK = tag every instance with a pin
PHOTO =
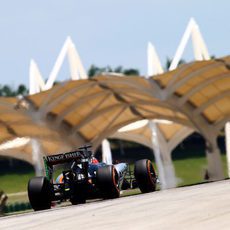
x=205, y=206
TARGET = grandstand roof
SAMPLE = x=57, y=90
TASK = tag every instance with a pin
x=196, y=95
x=95, y=108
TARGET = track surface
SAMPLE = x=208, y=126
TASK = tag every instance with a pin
x=204, y=206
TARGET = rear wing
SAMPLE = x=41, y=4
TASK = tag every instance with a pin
x=81, y=155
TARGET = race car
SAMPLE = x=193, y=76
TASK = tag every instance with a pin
x=85, y=178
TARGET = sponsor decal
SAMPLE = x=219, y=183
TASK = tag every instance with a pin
x=72, y=155
x=55, y=157
x=65, y=156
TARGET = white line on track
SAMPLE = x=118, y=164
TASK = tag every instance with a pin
x=17, y=194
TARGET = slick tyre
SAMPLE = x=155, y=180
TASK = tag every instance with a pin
x=145, y=175
x=39, y=193
x=107, y=181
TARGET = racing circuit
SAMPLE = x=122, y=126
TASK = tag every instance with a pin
x=205, y=206
x=55, y=118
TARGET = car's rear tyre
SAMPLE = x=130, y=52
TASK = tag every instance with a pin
x=39, y=193
x=107, y=182
x=145, y=175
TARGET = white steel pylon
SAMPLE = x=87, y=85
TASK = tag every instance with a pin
x=37, y=83
x=77, y=70
x=154, y=64
x=199, y=47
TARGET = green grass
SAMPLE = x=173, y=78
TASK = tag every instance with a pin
x=14, y=183
x=192, y=170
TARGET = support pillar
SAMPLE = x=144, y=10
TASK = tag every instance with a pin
x=106, y=152
x=215, y=168
x=170, y=176
x=37, y=157
x=163, y=159
x=227, y=143
x=156, y=148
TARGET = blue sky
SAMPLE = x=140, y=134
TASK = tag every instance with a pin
x=105, y=32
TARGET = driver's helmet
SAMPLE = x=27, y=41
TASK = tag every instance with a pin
x=94, y=160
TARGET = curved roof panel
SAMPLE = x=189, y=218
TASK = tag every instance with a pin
x=195, y=95
x=92, y=107
x=205, y=85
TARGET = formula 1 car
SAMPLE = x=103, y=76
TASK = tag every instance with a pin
x=86, y=178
